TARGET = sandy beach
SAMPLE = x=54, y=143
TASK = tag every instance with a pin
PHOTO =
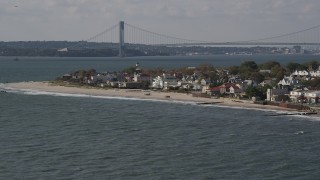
x=131, y=93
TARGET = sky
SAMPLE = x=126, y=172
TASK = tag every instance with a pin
x=210, y=20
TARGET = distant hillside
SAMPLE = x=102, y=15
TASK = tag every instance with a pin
x=94, y=49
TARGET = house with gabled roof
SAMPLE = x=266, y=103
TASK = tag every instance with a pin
x=276, y=94
x=315, y=73
x=288, y=82
x=235, y=91
x=225, y=88
x=214, y=91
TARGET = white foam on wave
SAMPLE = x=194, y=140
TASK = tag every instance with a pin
x=304, y=117
x=247, y=108
x=38, y=92
x=295, y=116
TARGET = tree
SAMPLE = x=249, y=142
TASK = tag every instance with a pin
x=82, y=73
x=314, y=65
x=247, y=68
x=129, y=70
x=312, y=84
x=234, y=70
x=91, y=72
x=268, y=65
x=254, y=92
x=278, y=73
x=206, y=68
x=256, y=76
x=208, y=71
x=248, y=65
x=294, y=66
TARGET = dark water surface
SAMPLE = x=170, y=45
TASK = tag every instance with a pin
x=48, y=68
x=65, y=137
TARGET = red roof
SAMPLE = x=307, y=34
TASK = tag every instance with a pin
x=215, y=88
x=235, y=87
x=228, y=85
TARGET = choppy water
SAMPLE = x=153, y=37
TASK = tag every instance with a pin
x=60, y=136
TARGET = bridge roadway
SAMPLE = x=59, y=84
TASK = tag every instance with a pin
x=243, y=44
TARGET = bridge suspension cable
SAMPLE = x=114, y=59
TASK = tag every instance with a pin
x=134, y=35
x=103, y=39
x=297, y=37
x=137, y=35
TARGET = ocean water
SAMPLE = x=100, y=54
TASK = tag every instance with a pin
x=61, y=136
x=48, y=68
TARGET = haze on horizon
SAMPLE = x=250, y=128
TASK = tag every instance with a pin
x=214, y=20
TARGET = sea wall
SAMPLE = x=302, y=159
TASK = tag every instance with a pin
x=286, y=105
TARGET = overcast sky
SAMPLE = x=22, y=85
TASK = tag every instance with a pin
x=214, y=20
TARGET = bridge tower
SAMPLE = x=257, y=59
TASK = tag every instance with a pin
x=121, y=39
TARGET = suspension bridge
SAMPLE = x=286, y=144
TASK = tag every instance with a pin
x=123, y=36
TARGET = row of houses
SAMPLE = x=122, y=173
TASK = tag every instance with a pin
x=305, y=73
x=232, y=89
x=236, y=87
x=291, y=88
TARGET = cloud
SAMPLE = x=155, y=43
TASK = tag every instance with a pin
x=77, y=19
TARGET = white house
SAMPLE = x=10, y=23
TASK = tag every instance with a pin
x=296, y=95
x=315, y=73
x=204, y=82
x=235, y=91
x=170, y=81
x=157, y=82
x=300, y=73
x=196, y=87
x=288, y=81
x=138, y=77
x=205, y=88
x=312, y=96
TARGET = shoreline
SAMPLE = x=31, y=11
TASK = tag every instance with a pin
x=140, y=94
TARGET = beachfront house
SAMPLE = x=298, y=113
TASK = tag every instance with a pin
x=242, y=85
x=235, y=91
x=214, y=91
x=140, y=77
x=186, y=85
x=277, y=94
x=170, y=82
x=312, y=96
x=297, y=95
x=204, y=89
x=131, y=85
x=66, y=77
x=157, y=83
x=196, y=87
x=225, y=88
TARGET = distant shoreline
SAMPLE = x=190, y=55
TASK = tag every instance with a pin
x=140, y=94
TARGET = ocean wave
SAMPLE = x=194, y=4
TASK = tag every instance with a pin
x=247, y=108
x=38, y=92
